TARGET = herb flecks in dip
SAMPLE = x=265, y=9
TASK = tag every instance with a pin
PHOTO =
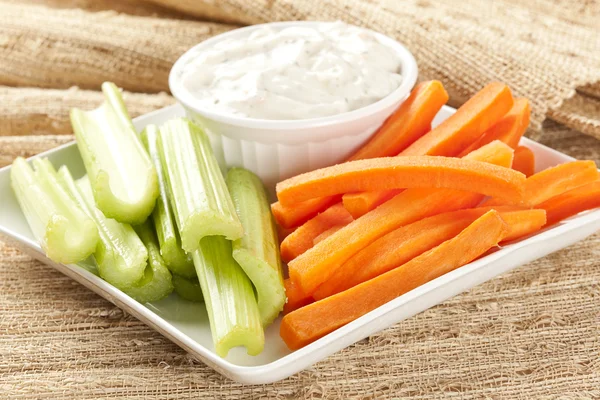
x=293, y=73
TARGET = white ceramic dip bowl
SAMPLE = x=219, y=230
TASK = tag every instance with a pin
x=278, y=149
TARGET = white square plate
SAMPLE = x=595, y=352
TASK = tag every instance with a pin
x=186, y=323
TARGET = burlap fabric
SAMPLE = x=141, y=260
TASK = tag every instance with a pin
x=59, y=48
x=543, y=49
x=132, y=7
x=531, y=333
x=32, y=111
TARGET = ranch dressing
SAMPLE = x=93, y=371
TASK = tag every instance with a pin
x=293, y=73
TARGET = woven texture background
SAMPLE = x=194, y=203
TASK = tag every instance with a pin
x=531, y=333
x=544, y=50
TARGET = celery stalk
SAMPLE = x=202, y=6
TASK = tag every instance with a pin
x=123, y=179
x=177, y=260
x=198, y=194
x=156, y=282
x=188, y=289
x=257, y=251
x=66, y=234
x=229, y=297
x=121, y=256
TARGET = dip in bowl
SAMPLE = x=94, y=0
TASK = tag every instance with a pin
x=288, y=97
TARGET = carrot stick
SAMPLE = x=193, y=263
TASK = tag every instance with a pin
x=291, y=217
x=521, y=222
x=572, y=202
x=327, y=233
x=553, y=181
x=496, y=153
x=408, y=123
x=556, y=180
x=396, y=248
x=508, y=130
x=302, y=238
x=361, y=203
x=295, y=297
x=404, y=172
x=315, y=320
x=317, y=265
x=471, y=120
x=524, y=161
x=407, y=242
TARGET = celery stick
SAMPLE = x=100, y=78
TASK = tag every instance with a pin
x=66, y=234
x=123, y=179
x=229, y=297
x=89, y=264
x=156, y=282
x=121, y=256
x=257, y=251
x=188, y=289
x=177, y=260
x=198, y=194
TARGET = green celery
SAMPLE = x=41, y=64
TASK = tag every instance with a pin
x=257, y=251
x=156, y=283
x=66, y=234
x=121, y=256
x=229, y=297
x=89, y=264
x=198, y=194
x=177, y=260
x=124, y=182
x=188, y=289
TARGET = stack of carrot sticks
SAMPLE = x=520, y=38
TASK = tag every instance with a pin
x=415, y=203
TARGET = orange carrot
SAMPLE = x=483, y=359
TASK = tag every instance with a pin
x=496, y=152
x=295, y=297
x=524, y=161
x=317, y=265
x=404, y=172
x=328, y=233
x=407, y=242
x=291, y=217
x=361, y=203
x=394, y=249
x=408, y=123
x=302, y=238
x=509, y=129
x=572, y=202
x=315, y=320
x=521, y=222
x=554, y=181
x=471, y=120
